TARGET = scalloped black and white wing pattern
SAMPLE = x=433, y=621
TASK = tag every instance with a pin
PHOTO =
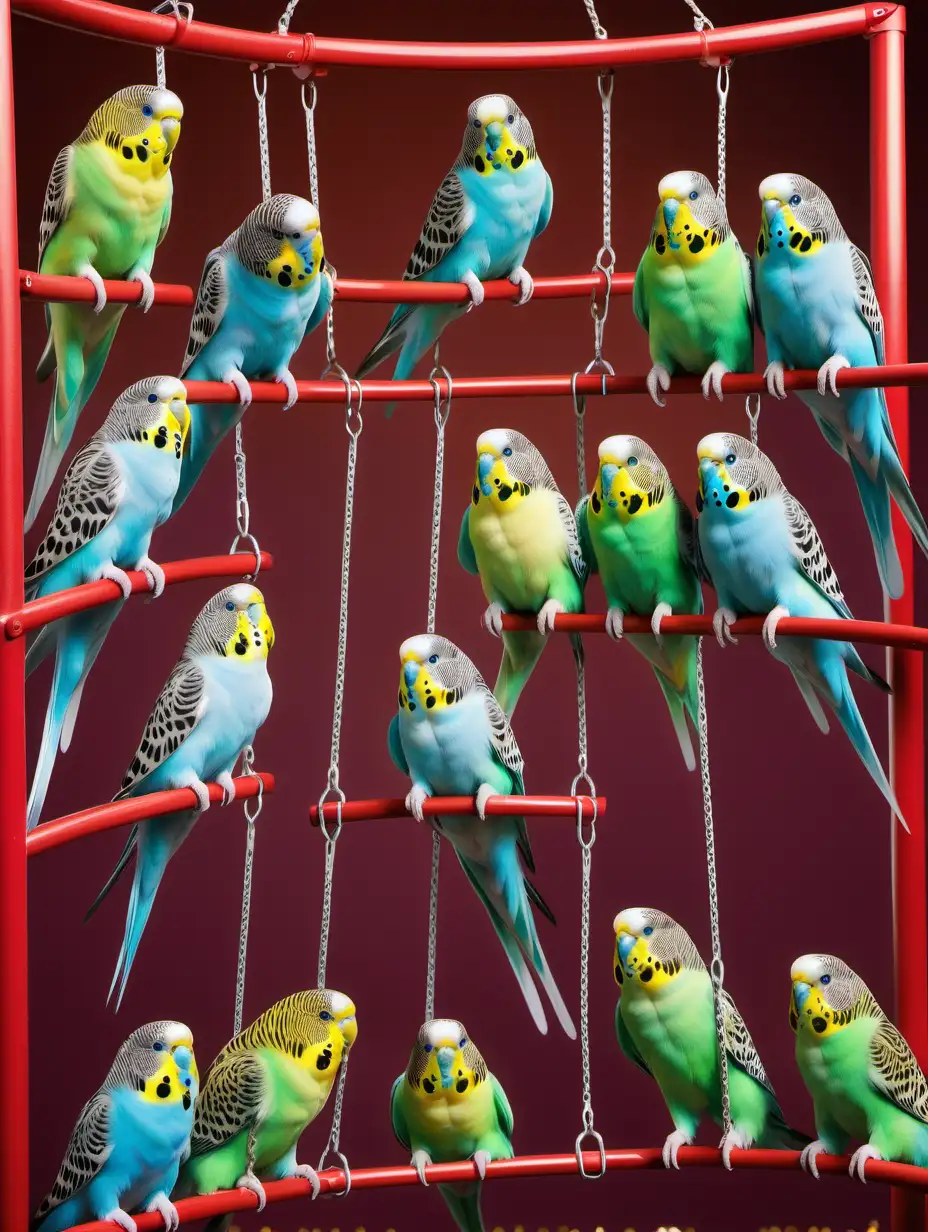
x=212, y=301
x=176, y=713
x=87, y=1153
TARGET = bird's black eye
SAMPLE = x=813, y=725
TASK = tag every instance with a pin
x=795, y=199
x=632, y=461
x=730, y=458
x=477, y=124
x=148, y=110
x=157, y=1046
x=278, y=235
x=507, y=452
x=325, y=1015
x=152, y=397
x=463, y=1043
x=230, y=606
x=510, y=119
x=826, y=979
x=648, y=931
x=693, y=195
x=433, y=658
x=296, y=235
x=428, y=1048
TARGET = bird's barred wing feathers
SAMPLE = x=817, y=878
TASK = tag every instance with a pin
x=212, y=299
x=448, y=219
x=867, y=301
x=88, y=1150
x=740, y=1045
x=232, y=1099
x=57, y=199
x=811, y=555
x=895, y=1072
x=502, y=739
x=175, y=714
x=574, y=550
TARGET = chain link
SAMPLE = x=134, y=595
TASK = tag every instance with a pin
x=586, y=855
x=182, y=11
x=605, y=258
x=263, y=146
x=242, y=508
x=752, y=410
x=722, y=84
x=599, y=30
x=309, y=112
x=283, y=24
x=331, y=1147
x=717, y=968
x=252, y=808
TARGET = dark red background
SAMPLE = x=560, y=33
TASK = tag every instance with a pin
x=803, y=836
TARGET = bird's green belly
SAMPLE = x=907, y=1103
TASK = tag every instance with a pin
x=675, y=1034
x=454, y=1129
x=518, y=552
x=836, y=1073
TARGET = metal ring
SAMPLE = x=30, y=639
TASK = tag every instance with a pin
x=440, y=370
x=334, y=368
x=310, y=107
x=249, y=538
x=597, y=1138
x=606, y=95
x=255, y=69
x=585, y=843
x=723, y=93
x=175, y=6
x=717, y=971
x=342, y=1193
x=323, y=825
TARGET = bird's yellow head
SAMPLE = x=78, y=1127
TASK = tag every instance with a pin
x=690, y=223
x=160, y=1065
x=234, y=625
x=631, y=480
x=498, y=136
x=796, y=218
x=506, y=462
x=444, y=1064
x=152, y=413
x=733, y=474
x=139, y=127
x=432, y=674
x=651, y=949
x=314, y=1029
x=281, y=242
x=826, y=996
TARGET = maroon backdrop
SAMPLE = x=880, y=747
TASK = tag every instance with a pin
x=803, y=836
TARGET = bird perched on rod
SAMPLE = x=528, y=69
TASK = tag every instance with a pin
x=452, y=738
x=665, y=1023
x=213, y=702
x=266, y=1086
x=492, y=203
x=641, y=538
x=115, y=492
x=817, y=307
x=448, y=1107
x=764, y=554
x=863, y=1078
x=130, y=1138
x=107, y=208
x=519, y=536
x=692, y=289
x=261, y=292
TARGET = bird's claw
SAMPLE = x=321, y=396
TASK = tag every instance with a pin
x=484, y=792
x=287, y=379
x=154, y=573
x=549, y=609
x=672, y=1144
x=143, y=277
x=493, y=619
x=859, y=1161
x=658, y=381
x=521, y=278
x=828, y=372
x=734, y=1138
x=481, y=1159
x=305, y=1173
x=414, y=801
x=475, y=287
x=249, y=1181
x=773, y=618
x=242, y=387
x=810, y=1154
x=615, y=623
x=201, y=791
x=96, y=282
x=121, y=1218
x=163, y=1206
x=712, y=380
x=775, y=378
x=420, y=1161
x=722, y=621
x=112, y=573
x=227, y=783
x=657, y=616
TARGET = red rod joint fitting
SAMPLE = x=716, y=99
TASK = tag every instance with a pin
x=456, y=806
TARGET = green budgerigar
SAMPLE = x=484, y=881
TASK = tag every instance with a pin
x=863, y=1078
x=107, y=208
x=519, y=535
x=640, y=537
x=446, y=1107
x=693, y=289
x=268, y=1083
x=665, y=1021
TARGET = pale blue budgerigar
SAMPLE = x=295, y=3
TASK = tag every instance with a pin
x=492, y=203
x=452, y=738
x=261, y=292
x=818, y=309
x=213, y=702
x=131, y=1136
x=764, y=554
x=116, y=491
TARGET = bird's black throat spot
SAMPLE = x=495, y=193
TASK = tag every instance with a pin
x=731, y=500
x=284, y=279
x=646, y=976
x=595, y=502
x=141, y=153
x=660, y=244
x=697, y=243
x=475, y=497
x=429, y=1086
x=619, y=974
x=806, y=244
x=480, y=166
x=793, y=1020
x=127, y=152
x=699, y=503
x=634, y=503
x=323, y=1061
x=761, y=246
x=518, y=160
x=795, y=240
x=187, y=1101
x=461, y=1086
x=163, y=1089
x=819, y=1025
x=429, y=703
x=505, y=491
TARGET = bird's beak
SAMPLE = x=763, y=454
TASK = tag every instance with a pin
x=446, y=1057
x=771, y=208
x=182, y=1057
x=410, y=673
x=801, y=991
x=495, y=131
x=670, y=209
x=485, y=463
x=607, y=474
x=170, y=130
x=349, y=1029
x=626, y=943
x=181, y=412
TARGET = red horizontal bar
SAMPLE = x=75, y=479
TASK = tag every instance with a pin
x=333, y=1179
x=875, y=632
x=43, y=611
x=135, y=26
x=45, y=287
x=548, y=386
x=457, y=806
x=126, y=812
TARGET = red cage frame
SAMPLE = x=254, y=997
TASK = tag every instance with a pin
x=884, y=26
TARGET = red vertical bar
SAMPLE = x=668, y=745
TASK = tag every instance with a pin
x=14, y=984
x=906, y=714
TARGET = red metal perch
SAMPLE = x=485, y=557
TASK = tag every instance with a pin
x=456, y=806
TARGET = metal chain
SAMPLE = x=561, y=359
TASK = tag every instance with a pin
x=599, y=31
x=700, y=20
x=252, y=807
x=264, y=148
x=331, y=1147
x=605, y=258
x=586, y=842
x=175, y=7
x=283, y=25
x=717, y=967
x=752, y=410
x=722, y=84
x=309, y=110
x=242, y=508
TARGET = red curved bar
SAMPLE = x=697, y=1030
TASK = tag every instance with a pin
x=135, y=26
x=127, y=812
x=457, y=806
x=43, y=611
x=45, y=287
x=873, y=632
x=549, y=386
x=333, y=1179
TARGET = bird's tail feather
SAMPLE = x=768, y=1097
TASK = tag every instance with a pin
x=874, y=497
x=463, y=1201
x=781, y=1133
x=521, y=651
x=131, y=843
x=53, y=451
x=678, y=710
x=891, y=470
x=51, y=735
x=812, y=700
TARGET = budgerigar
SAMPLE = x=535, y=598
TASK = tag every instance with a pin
x=864, y=1081
x=107, y=208
x=213, y=702
x=448, y=1107
x=116, y=491
x=641, y=538
x=665, y=1022
x=693, y=289
x=452, y=738
x=261, y=292
x=130, y=1138
x=764, y=554
x=268, y=1083
x=818, y=309
x=519, y=535
x=492, y=203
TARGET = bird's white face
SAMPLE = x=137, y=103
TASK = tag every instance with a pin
x=301, y=255
x=789, y=220
x=421, y=691
x=680, y=185
x=498, y=135
x=627, y=484
x=824, y=992
x=634, y=957
x=686, y=226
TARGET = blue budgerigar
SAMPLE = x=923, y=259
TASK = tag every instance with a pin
x=131, y=1136
x=116, y=491
x=818, y=309
x=214, y=701
x=261, y=292
x=764, y=554
x=492, y=203
x=452, y=738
